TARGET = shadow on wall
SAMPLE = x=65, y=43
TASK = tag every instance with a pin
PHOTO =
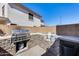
x=2, y=33
x=53, y=50
x=4, y=52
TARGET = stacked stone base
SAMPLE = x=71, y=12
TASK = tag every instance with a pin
x=7, y=46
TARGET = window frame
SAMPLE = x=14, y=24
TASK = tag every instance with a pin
x=3, y=10
x=30, y=17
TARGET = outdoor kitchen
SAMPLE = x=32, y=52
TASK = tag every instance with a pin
x=20, y=38
x=15, y=42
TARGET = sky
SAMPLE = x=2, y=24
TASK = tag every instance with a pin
x=56, y=13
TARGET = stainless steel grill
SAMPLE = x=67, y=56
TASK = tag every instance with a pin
x=20, y=35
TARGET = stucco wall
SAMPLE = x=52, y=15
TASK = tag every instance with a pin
x=17, y=16
x=22, y=18
x=36, y=22
x=5, y=9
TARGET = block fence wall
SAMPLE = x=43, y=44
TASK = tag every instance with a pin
x=70, y=30
x=7, y=29
x=51, y=29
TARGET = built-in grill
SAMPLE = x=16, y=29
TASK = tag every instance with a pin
x=20, y=38
x=20, y=35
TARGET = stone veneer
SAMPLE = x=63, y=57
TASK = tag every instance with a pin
x=8, y=46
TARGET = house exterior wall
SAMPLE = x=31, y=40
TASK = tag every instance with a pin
x=37, y=22
x=19, y=17
x=5, y=9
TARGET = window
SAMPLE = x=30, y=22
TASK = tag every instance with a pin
x=42, y=21
x=30, y=16
x=3, y=10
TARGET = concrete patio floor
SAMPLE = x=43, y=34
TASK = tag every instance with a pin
x=34, y=51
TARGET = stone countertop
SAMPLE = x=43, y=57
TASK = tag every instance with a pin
x=5, y=37
x=73, y=39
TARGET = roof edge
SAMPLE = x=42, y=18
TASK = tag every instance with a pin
x=27, y=9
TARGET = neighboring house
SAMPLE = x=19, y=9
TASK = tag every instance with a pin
x=20, y=15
